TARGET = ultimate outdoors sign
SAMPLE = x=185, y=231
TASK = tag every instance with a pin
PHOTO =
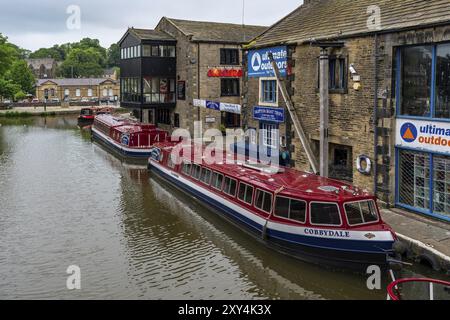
x=259, y=63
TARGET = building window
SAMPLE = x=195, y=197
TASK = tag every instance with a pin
x=131, y=90
x=229, y=56
x=155, y=51
x=230, y=87
x=337, y=74
x=270, y=135
x=146, y=50
x=105, y=92
x=176, y=120
x=163, y=116
x=341, y=166
x=424, y=81
x=159, y=90
x=443, y=82
x=52, y=92
x=231, y=120
x=416, y=81
x=66, y=92
x=78, y=93
x=111, y=92
x=269, y=91
x=90, y=93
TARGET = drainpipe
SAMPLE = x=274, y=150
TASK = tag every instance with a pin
x=375, y=116
x=324, y=112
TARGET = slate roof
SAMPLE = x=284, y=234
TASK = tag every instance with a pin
x=331, y=19
x=204, y=31
x=75, y=81
x=147, y=34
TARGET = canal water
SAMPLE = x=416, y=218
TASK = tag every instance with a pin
x=66, y=201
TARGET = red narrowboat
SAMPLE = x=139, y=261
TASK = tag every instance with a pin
x=128, y=138
x=87, y=115
x=311, y=218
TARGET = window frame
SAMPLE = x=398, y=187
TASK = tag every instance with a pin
x=325, y=225
x=190, y=169
x=289, y=213
x=261, y=92
x=223, y=186
x=264, y=198
x=201, y=176
x=365, y=223
x=213, y=183
x=239, y=188
x=223, y=57
x=224, y=81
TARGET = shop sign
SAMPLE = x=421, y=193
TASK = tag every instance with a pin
x=423, y=135
x=277, y=115
x=218, y=106
x=259, y=64
x=224, y=73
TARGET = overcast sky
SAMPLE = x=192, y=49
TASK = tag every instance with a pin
x=43, y=23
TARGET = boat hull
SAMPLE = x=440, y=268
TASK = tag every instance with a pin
x=118, y=148
x=356, y=255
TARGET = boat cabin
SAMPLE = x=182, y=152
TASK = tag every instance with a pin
x=281, y=195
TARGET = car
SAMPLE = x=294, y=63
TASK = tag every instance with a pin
x=35, y=100
x=54, y=100
x=7, y=101
x=84, y=100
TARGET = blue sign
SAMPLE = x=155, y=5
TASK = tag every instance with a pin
x=213, y=105
x=259, y=63
x=409, y=132
x=277, y=115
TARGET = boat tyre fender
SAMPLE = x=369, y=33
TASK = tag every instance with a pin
x=368, y=169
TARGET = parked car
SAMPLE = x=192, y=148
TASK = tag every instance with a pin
x=56, y=100
x=35, y=100
x=84, y=99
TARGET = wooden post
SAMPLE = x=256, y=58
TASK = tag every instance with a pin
x=324, y=112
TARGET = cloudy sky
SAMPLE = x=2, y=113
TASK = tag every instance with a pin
x=35, y=24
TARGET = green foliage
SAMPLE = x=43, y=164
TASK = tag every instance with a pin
x=114, y=55
x=20, y=74
x=82, y=62
x=20, y=95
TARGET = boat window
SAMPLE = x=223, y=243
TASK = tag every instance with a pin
x=263, y=201
x=246, y=193
x=230, y=186
x=196, y=172
x=217, y=181
x=187, y=168
x=170, y=163
x=290, y=209
x=205, y=176
x=361, y=212
x=325, y=214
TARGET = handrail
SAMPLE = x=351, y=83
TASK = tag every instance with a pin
x=395, y=284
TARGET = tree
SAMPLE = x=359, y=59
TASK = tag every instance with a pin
x=7, y=55
x=8, y=89
x=82, y=63
x=20, y=74
x=114, y=55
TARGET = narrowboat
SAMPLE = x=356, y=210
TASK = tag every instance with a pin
x=127, y=138
x=87, y=115
x=308, y=217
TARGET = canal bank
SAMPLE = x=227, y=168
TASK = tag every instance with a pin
x=423, y=240
x=49, y=111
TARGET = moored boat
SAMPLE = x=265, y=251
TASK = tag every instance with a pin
x=87, y=115
x=311, y=218
x=128, y=138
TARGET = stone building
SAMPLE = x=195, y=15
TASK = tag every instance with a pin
x=43, y=68
x=78, y=89
x=388, y=98
x=184, y=71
